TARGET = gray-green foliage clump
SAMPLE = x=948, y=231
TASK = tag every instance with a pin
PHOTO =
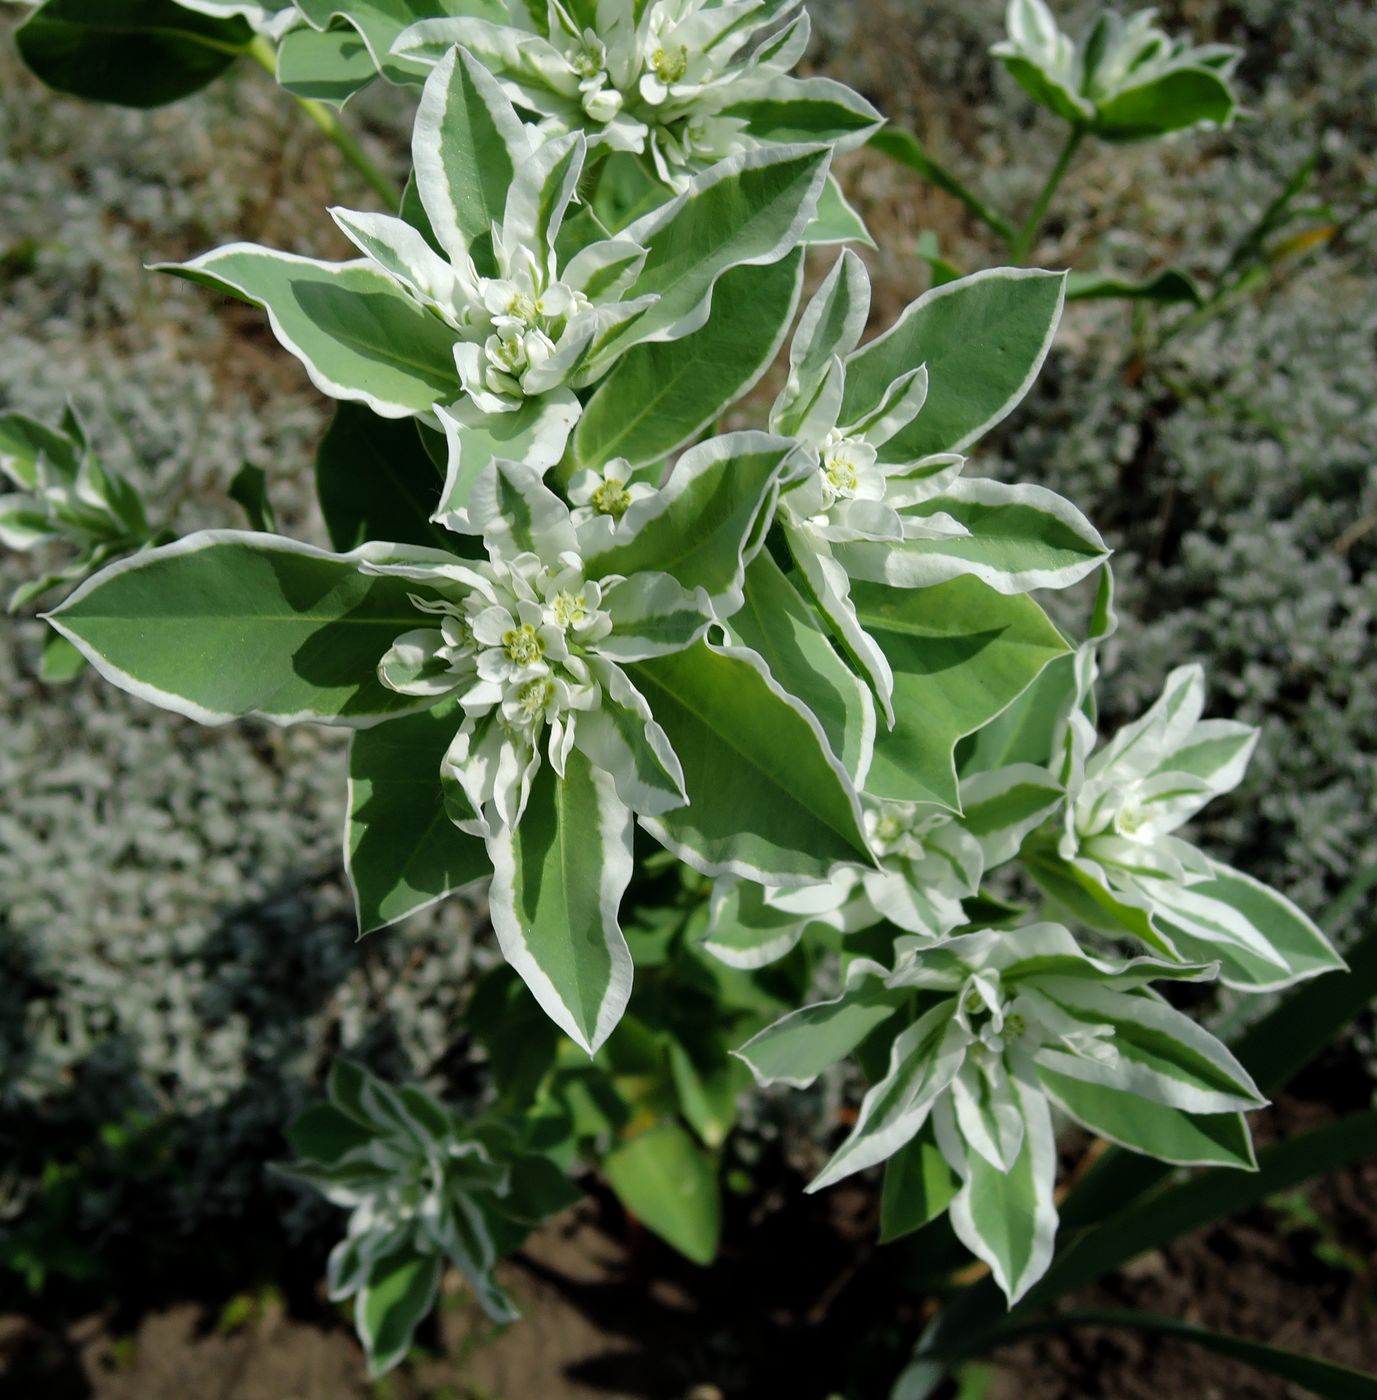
x=179, y=892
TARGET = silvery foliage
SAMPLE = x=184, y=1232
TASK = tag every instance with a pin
x=423, y=1189
x=683, y=82
x=178, y=942
x=760, y=687
x=1126, y=80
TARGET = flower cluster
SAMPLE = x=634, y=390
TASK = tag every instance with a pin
x=1009, y=1022
x=1127, y=80
x=684, y=82
x=530, y=647
x=522, y=324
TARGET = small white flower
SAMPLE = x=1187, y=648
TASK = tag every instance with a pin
x=610, y=492
x=521, y=643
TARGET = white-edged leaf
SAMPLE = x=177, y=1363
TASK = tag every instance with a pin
x=983, y=339
x=778, y=625
x=467, y=146
x=799, y=1046
x=558, y=880
x=1008, y=1219
x=1162, y=1054
x=767, y=799
x=224, y=624
x=356, y=332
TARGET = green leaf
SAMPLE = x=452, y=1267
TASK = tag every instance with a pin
x=1169, y=287
x=1023, y=732
x=224, y=624
x=535, y=434
x=706, y=1091
x=376, y=481
x=1274, y=917
x=1162, y=1053
x=799, y=1046
x=25, y=442
x=324, y=67
x=836, y=221
x=399, y=1293
x=1323, y=1378
x=766, y=798
x=750, y=208
x=380, y=22
x=663, y=394
x=558, y=880
x=60, y=662
x=1086, y=899
x=960, y=652
x=746, y=932
x=134, y=53
x=402, y=852
x=670, y=1185
x=1021, y=537
x=1009, y=1218
x=467, y=145
x=1192, y=1139
x=357, y=333
x=323, y=1133
x=708, y=519
x=919, y=1184
x=809, y=110
x=1000, y=807
x=249, y=491
x=1046, y=90
x=780, y=627
x=983, y=339
x=1176, y=100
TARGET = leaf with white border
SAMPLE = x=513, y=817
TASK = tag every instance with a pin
x=357, y=333
x=225, y=624
x=558, y=881
x=960, y=653
x=767, y=800
x=402, y=852
x=983, y=339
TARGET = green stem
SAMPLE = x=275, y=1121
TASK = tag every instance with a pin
x=1022, y=243
x=904, y=147
x=263, y=53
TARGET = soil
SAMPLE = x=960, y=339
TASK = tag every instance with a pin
x=801, y=1303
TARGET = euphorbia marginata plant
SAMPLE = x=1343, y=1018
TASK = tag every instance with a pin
x=708, y=712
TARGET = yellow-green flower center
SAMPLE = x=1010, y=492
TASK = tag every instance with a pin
x=611, y=498
x=842, y=476
x=524, y=308
x=532, y=698
x=522, y=645
x=888, y=829
x=670, y=64
x=570, y=609
x=589, y=61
